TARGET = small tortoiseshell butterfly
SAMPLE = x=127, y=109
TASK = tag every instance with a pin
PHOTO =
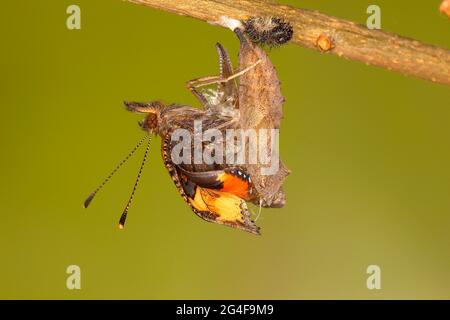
x=219, y=192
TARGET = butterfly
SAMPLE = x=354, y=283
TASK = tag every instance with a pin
x=218, y=191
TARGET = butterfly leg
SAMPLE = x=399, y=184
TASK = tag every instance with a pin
x=226, y=69
x=226, y=87
x=192, y=85
x=205, y=81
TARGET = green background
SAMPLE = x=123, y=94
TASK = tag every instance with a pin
x=369, y=152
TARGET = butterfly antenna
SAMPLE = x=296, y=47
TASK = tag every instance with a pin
x=92, y=195
x=123, y=217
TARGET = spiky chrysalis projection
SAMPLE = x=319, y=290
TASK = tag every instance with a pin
x=269, y=31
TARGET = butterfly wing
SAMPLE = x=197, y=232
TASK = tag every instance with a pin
x=214, y=196
x=227, y=90
x=229, y=180
x=223, y=208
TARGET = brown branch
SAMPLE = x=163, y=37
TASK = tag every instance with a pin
x=343, y=38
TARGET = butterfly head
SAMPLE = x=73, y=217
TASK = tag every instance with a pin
x=151, y=123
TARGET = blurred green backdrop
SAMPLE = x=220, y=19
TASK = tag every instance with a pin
x=369, y=152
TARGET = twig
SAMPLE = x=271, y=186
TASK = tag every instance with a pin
x=348, y=39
